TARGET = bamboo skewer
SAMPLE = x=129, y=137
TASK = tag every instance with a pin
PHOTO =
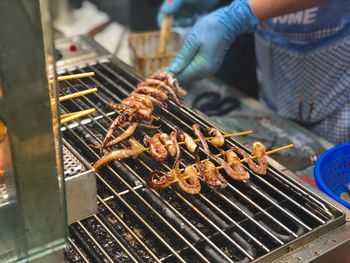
x=77, y=94
x=229, y=135
x=74, y=76
x=76, y=115
x=63, y=116
x=164, y=33
x=242, y=160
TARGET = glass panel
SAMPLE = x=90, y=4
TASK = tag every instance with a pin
x=8, y=217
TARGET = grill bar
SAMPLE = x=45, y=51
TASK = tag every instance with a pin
x=75, y=247
x=105, y=254
x=236, y=221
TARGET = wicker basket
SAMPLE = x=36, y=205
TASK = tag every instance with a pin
x=144, y=51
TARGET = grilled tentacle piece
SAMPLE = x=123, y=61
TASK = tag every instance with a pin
x=212, y=175
x=161, y=85
x=155, y=101
x=188, y=181
x=197, y=131
x=218, y=139
x=209, y=173
x=126, y=134
x=152, y=91
x=259, y=151
x=238, y=173
x=156, y=148
x=134, y=150
x=122, y=118
x=159, y=180
x=171, y=81
x=261, y=166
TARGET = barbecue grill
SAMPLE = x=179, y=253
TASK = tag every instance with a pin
x=272, y=217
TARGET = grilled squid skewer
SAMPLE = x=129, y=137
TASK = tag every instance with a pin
x=259, y=152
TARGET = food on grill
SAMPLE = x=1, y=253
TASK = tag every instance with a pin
x=197, y=131
x=156, y=148
x=209, y=173
x=189, y=141
x=259, y=152
x=176, y=153
x=168, y=143
x=218, y=139
x=237, y=171
x=212, y=176
x=134, y=150
x=139, y=106
x=162, y=144
x=126, y=134
x=153, y=92
x=171, y=81
x=162, y=81
x=158, y=180
x=188, y=181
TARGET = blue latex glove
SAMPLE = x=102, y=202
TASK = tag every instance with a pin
x=209, y=40
x=185, y=12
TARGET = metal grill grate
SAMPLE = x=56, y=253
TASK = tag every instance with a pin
x=3, y=194
x=244, y=222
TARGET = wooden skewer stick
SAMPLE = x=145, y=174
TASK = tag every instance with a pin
x=77, y=94
x=229, y=135
x=63, y=116
x=267, y=153
x=165, y=33
x=74, y=76
x=77, y=115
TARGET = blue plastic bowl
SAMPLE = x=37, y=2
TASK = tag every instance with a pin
x=332, y=172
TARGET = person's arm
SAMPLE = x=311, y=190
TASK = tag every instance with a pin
x=209, y=40
x=266, y=9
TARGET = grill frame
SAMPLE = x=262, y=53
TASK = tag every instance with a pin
x=285, y=175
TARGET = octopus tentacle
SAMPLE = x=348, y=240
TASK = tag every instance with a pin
x=197, y=131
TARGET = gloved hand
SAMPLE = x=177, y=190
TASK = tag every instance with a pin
x=209, y=40
x=185, y=11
